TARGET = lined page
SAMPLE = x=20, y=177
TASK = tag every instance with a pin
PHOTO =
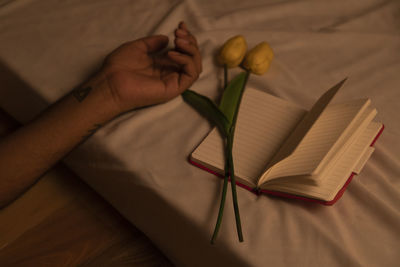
x=263, y=124
x=337, y=177
x=335, y=122
x=363, y=160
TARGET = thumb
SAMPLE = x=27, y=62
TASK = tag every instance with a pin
x=154, y=43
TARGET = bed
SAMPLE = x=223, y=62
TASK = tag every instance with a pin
x=139, y=161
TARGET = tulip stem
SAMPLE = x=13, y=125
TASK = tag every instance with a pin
x=225, y=76
x=230, y=163
x=233, y=188
x=230, y=170
x=223, y=198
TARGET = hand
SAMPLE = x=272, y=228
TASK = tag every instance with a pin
x=139, y=74
x=136, y=74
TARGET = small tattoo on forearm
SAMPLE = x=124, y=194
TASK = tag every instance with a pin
x=92, y=131
x=81, y=93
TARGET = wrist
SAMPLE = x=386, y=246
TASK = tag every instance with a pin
x=108, y=82
x=96, y=97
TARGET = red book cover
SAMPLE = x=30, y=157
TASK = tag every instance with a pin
x=287, y=195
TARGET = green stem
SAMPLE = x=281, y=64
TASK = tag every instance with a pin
x=223, y=197
x=232, y=170
x=225, y=76
x=226, y=176
x=233, y=187
x=237, y=109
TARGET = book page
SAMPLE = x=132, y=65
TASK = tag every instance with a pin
x=263, y=124
x=336, y=125
x=345, y=140
x=304, y=126
x=363, y=160
x=359, y=151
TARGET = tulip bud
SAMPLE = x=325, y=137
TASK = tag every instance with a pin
x=259, y=58
x=233, y=51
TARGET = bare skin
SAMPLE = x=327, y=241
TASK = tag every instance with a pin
x=136, y=74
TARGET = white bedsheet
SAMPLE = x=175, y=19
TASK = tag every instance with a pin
x=138, y=162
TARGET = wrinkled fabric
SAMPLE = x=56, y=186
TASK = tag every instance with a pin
x=138, y=161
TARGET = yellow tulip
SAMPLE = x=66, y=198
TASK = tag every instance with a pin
x=259, y=58
x=233, y=51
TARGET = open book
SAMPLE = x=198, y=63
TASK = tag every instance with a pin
x=282, y=149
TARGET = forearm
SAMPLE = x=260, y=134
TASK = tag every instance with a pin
x=30, y=151
x=136, y=74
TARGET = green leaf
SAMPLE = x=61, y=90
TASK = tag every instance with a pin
x=208, y=109
x=232, y=95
